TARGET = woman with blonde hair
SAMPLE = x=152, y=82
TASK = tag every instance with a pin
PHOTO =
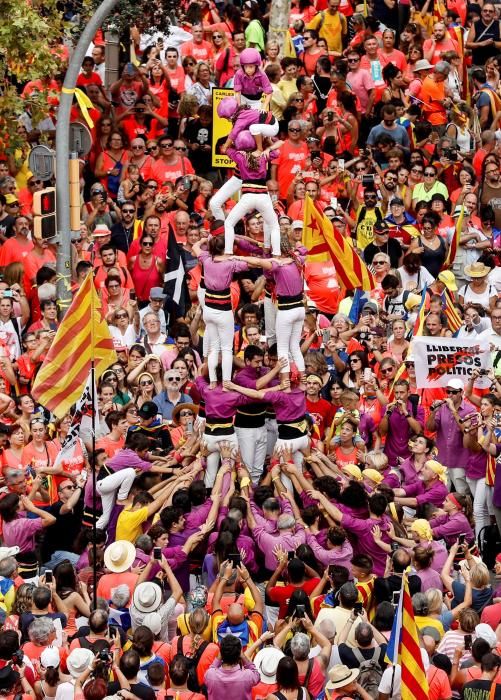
x=145, y=388
x=194, y=645
x=202, y=86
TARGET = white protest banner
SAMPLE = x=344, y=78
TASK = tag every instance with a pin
x=437, y=360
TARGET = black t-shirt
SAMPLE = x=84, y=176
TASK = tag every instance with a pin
x=62, y=535
x=6, y=226
x=391, y=248
x=385, y=587
x=159, y=436
x=195, y=132
x=349, y=659
x=480, y=690
x=141, y=690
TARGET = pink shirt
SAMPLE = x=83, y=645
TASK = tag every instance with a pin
x=361, y=82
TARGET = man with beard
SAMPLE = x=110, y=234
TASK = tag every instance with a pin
x=382, y=243
x=387, y=126
x=491, y=191
x=438, y=44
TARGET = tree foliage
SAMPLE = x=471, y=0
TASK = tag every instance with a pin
x=30, y=33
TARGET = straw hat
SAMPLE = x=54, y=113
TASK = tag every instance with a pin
x=422, y=64
x=340, y=676
x=147, y=597
x=101, y=230
x=183, y=407
x=118, y=557
x=477, y=269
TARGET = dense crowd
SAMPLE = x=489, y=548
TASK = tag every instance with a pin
x=264, y=468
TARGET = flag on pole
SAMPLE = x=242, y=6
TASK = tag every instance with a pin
x=289, y=49
x=453, y=318
x=325, y=243
x=451, y=255
x=82, y=337
x=359, y=299
x=403, y=648
x=419, y=325
x=175, y=286
x=414, y=682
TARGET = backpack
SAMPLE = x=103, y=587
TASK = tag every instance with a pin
x=370, y=672
x=193, y=661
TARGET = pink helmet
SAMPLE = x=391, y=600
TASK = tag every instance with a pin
x=250, y=57
x=245, y=141
x=227, y=108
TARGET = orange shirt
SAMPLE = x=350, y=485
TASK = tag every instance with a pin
x=110, y=446
x=210, y=653
x=164, y=172
x=201, y=52
x=33, y=263
x=109, y=582
x=433, y=94
x=291, y=161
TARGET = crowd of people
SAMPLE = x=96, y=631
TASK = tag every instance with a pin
x=265, y=469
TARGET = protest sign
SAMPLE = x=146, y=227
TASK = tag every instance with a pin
x=437, y=360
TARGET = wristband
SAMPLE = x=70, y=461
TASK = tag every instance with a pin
x=276, y=478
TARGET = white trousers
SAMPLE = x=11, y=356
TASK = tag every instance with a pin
x=264, y=129
x=212, y=442
x=271, y=435
x=270, y=320
x=478, y=488
x=107, y=488
x=457, y=475
x=250, y=202
x=219, y=328
x=224, y=193
x=254, y=104
x=296, y=445
x=289, y=326
x=252, y=443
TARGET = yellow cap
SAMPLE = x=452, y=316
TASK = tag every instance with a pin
x=437, y=469
x=373, y=475
x=422, y=528
x=353, y=471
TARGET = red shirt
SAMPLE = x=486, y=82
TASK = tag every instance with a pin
x=322, y=413
x=282, y=594
x=165, y=172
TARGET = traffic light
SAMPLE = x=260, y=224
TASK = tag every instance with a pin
x=44, y=209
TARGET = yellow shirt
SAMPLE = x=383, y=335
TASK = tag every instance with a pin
x=287, y=88
x=365, y=226
x=129, y=524
x=332, y=29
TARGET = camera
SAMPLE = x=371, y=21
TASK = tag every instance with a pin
x=395, y=597
x=105, y=656
x=48, y=576
x=450, y=153
x=481, y=372
x=357, y=608
x=17, y=657
x=330, y=116
x=394, y=546
x=462, y=538
x=187, y=182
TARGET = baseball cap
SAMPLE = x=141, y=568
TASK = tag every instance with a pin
x=447, y=278
x=11, y=198
x=369, y=308
x=455, y=384
x=297, y=224
x=381, y=227
x=397, y=200
x=149, y=409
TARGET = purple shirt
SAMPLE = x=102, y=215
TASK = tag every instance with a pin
x=339, y=554
x=252, y=84
x=390, y=479
x=234, y=682
x=399, y=432
x=288, y=278
x=219, y=403
x=267, y=542
x=449, y=440
x=449, y=527
x=21, y=532
x=124, y=459
x=476, y=466
x=363, y=540
x=246, y=173
x=288, y=407
x=429, y=579
x=408, y=472
x=436, y=493
x=219, y=275
x=246, y=118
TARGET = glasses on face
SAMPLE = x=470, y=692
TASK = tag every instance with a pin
x=379, y=262
x=429, y=173
x=34, y=182
x=180, y=148
x=128, y=211
x=427, y=228
x=118, y=370
x=452, y=391
x=217, y=36
x=293, y=130
x=361, y=169
x=121, y=316
x=353, y=60
x=298, y=99
x=355, y=359
x=113, y=286
x=147, y=244
x=184, y=414
x=152, y=187
x=173, y=379
x=70, y=487
x=137, y=148
x=166, y=145
x=387, y=370
x=146, y=382
x=417, y=170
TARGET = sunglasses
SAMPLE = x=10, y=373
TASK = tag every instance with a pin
x=453, y=391
x=353, y=60
x=128, y=211
x=149, y=244
x=355, y=359
x=217, y=36
x=166, y=145
x=121, y=316
x=152, y=187
x=183, y=414
x=429, y=174
x=387, y=370
x=132, y=411
x=137, y=148
x=147, y=382
x=153, y=148
x=180, y=148
x=379, y=262
x=34, y=182
x=173, y=379
x=294, y=130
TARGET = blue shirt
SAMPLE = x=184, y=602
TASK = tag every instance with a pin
x=165, y=406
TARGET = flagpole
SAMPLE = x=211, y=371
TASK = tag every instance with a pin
x=93, y=437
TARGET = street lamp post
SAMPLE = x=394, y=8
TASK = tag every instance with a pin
x=63, y=264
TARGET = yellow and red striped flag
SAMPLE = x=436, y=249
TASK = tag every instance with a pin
x=451, y=255
x=453, y=318
x=414, y=682
x=83, y=336
x=325, y=243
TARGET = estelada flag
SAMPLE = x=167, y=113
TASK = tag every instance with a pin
x=83, y=336
x=324, y=242
x=451, y=255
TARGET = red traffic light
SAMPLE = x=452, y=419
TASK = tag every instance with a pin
x=48, y=202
